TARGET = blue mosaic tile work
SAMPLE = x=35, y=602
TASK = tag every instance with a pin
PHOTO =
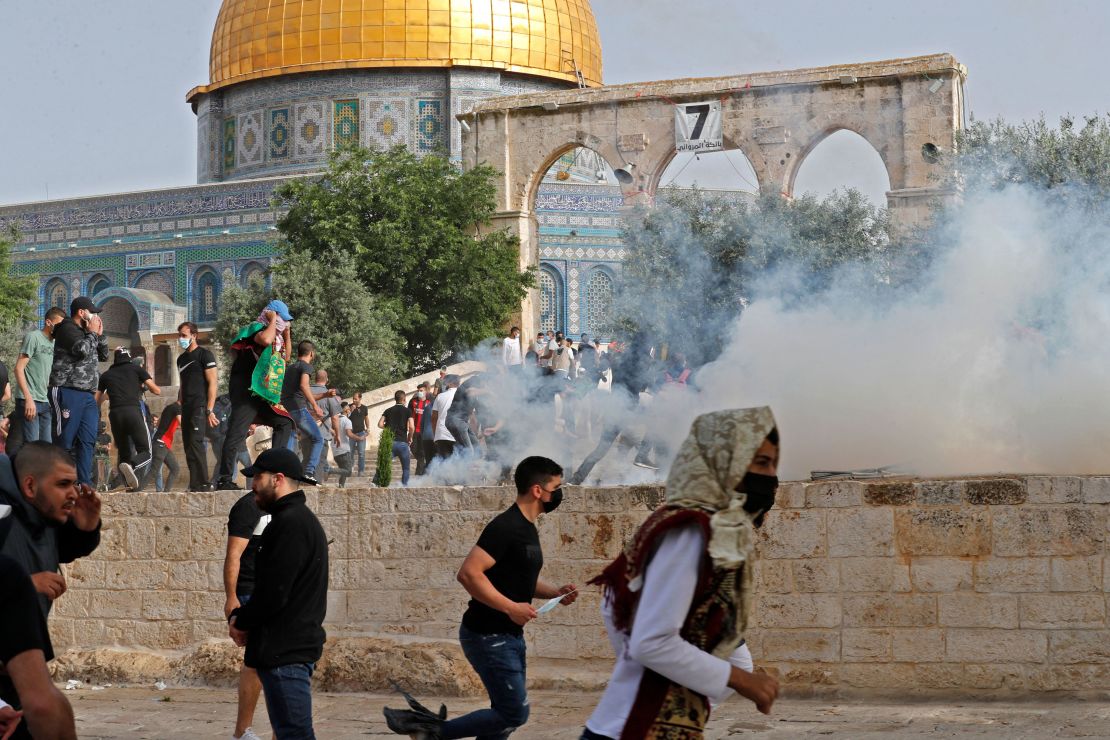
x=387, y=122
x=279, y=135
x=346, y=123
x=311, y=132
x=429, y=126
x=229, y=144
x=250, y=139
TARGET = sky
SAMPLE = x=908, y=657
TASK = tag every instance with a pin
x=94, y=90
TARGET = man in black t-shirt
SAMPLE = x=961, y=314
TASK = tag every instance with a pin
x=299, y=400
x=24, y=651
x=123, y=384
x=245, y=524
x=502, y=576
x=197, y=396
x=398, y=418
x=359, y=417
x=462, y=407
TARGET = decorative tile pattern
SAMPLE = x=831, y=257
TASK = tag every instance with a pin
x=250, y=138
x=279, y=135
x=599, y=300
x=551, y=299
x=346, y=123
x=387, y=122
x=160, y=281
x=203, y=156
x=429, y=126
x=311, y=133
x=229, y=144
x=575, y=300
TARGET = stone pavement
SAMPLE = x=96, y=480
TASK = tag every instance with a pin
x=179, y=713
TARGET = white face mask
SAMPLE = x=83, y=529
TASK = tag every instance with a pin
x=420, y=395
x=184, y=342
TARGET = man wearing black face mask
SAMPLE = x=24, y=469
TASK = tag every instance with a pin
x=501, y=574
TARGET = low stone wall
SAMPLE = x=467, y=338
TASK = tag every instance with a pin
x=989, y=584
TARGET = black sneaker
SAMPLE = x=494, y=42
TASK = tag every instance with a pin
x=310, y=479
x=227, y=485
x=645, y=464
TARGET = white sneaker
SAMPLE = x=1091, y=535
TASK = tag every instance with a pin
x=248, y=734
x=129, y=476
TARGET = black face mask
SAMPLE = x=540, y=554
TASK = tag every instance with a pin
x=761, y=494
x=553, y=504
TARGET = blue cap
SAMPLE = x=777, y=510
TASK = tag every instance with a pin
x=280, y=309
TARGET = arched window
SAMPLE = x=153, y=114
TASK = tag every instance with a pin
x=157, y=280
x=251, y=272
x=551, y=299
x=57, y=295
x=98, y=283
x=599, y=300
x=206, y=296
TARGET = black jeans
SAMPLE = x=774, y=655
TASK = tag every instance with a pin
x=247, y=409
x=130, y=432
x=588, y=734
x=444, y=448
x=194, y=422
x=608, y=436
x=159, y=456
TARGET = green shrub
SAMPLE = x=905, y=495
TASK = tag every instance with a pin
x=383, y=476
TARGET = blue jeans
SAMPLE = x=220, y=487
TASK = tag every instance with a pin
x=288, y=691
x=308, y=426
x=499, y=660
x=401, y=450
x=75, y=420
x=39, y=428
x=358, y=450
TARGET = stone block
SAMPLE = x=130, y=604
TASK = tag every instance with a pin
x=941, y=574
x=868, y=574
x=201, y=505
x=114, y=605
x=793, y=533
x=995, y=491
x=864, y=645
x=332, y=503
x=917, y=645
x=996, y=646
x=942, y=532
x=887, y=676
x=337, y=607
x=143, y=575
x=159, y=605
x=1054, y=489
x=791, y=496
x=784, y=611
x=73, y=604
x=366, y=607
x=1011, y=575
x=939, y=676
x=187, y=575
x=1048, y=530
x=890, y=610
x=893, y=493
x=1076, y=574
x=822, y=646
x=165, y=504
x=816, y=576
x=978, y=610
x=429, y=499
x=1063, y=611
x=940, y=493
x=1079, y=646
x=996, y=676
x=1068, y=678
x=834, y=494
x=172, y=635
x=123, y=504
x=173, y=538
x=775, y=576
x=860, y=532
x=209, y=538
x=1096, y=490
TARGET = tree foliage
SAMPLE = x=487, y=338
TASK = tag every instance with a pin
x=352, y=330
x=416, y=231
x=18, y=300
x=696, y=258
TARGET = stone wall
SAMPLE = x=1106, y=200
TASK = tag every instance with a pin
x=987, y=584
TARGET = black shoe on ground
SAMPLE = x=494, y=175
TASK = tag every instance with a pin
x=645, y=464
x=310, y=479
x=201, y=489
x=227, y=485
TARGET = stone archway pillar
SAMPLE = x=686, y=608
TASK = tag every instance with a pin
x=524, y=226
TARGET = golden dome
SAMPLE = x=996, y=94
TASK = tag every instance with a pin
x=265, y=38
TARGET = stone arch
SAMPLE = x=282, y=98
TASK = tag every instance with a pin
x=56, y=295
x=600, y=291
x=206, y=295
x=250, y=271
x=750, y=152
x=553, y=298
x=798, y=158
x=531, y=185
x=97, y=283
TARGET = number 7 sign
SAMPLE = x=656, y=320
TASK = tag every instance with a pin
x=697, y=127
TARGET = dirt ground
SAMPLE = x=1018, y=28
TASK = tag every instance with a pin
x=179, y=713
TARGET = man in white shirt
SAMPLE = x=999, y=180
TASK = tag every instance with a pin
x=539, y=348
x=511, y=356
x=444, y=442
x=676, y=601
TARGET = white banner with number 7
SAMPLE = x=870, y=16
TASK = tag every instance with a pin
x=697, y=127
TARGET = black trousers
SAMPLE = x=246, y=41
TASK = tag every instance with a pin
x=132, y=437
x=608, y=436
x=194, y=422
x=422, y=452
x=444, y=448
x=161, y=455
x=247, y=409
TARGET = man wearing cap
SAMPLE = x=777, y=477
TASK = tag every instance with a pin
x=123, y=384
x=256, y=397
x=282, y=623
x=79, y=345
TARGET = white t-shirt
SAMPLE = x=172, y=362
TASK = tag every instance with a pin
x=442, y=403
x=668, y=591
x=510, y=352
x=343, y=445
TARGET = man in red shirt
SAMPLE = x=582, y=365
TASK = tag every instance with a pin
x=161, y=448
x=421, y=411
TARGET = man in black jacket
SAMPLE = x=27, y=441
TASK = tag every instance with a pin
x=79, y=344
x=282, y=624
x=51, y=519
x=123, y=385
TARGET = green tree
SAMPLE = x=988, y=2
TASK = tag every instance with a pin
x=18, y=298
x=417, y=232
x=353, y=332
x=697, y=258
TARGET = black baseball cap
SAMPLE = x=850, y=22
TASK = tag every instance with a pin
x=281, y=461
x=82, y=302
